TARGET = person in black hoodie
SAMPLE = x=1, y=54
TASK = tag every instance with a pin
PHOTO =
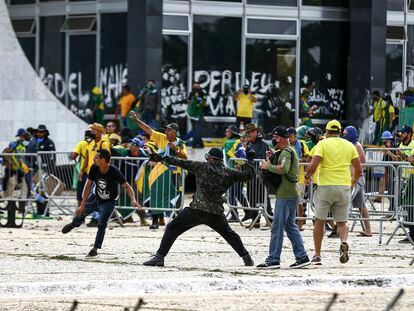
x=45, y=144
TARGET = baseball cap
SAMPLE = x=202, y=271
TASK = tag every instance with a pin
x=215, y=153
x=333, y=125
x=174, y=127
x=20, y=132
x=291, y=131
x=281, y=131
x=406, y=129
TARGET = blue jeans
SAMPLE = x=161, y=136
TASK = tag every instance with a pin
x=284, y=220
x=377, y=133
x=105, y=209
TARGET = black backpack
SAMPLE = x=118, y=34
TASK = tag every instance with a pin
x=271, y=180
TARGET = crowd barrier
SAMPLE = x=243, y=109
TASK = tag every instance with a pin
x=46, y=182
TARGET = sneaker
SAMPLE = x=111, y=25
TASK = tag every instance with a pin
x=92, y=253
x=248, y=260
x=333, y=234
x=343, y=251
x=155, y=261
x=92, y=223
x=68, y=228
x=269, y=265
x=316, y=260
x=154, y=226
x=303, y=262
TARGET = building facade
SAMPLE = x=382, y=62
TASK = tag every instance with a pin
x=288, y=51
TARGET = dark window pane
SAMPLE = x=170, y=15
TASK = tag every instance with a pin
x=324, y=67
x=410, y=56
x=393, y=68
x=12, y=2
x=51, y=0
x=82, y=64
x=174, y=80
x=222, y=0
x=266, y=26
x=79, y=23
x=28, y=45
x=113, y=71
x=217, y=58
x=396, y=32
x=274, y=2
x=175, y=22
x=395, y=5
x=23, y=26
x=52, y=55
x=342, y=3
x=270, y=72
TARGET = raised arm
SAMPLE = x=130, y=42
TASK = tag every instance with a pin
x=191, y=166
x=143, y=126
x=241, y=176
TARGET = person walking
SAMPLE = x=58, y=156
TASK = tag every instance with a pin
x=334, y=157
x=285, y=163
x=377, y=112
x=106, y=178
x=213, y=179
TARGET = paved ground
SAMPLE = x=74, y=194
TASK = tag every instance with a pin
x=42, y=269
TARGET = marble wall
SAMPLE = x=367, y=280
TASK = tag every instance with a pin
x=25, y=101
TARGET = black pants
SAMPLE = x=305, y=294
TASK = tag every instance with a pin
x=190, y=218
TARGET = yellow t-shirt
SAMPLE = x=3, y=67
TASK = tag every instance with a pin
x=81, y=149
x=316, y=174
x=391, y=110
x=125, y=104
x=93, y=148
x=335, y=166
x=407, y=172
x=302, y=166
x=245, y=105
x=378, y=107
x=161, y=141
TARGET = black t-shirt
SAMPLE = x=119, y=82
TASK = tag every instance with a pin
x=106, y=185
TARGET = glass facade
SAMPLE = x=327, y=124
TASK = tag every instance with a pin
x=222, y=51
x=323, y=66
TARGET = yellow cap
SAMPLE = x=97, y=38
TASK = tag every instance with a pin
x=333, y=125
x=115, y=137
x=97, y=128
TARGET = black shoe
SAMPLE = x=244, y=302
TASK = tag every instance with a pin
x=155, y=261
x=68, y=228
x=92, y=253
x=269, y=265
x=92, y=223
x=248, y=260
x=154, y=226
x=303, y=262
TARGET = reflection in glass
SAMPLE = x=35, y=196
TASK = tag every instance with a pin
x=324, y=59
x=113, y=71
x=270, y=72
x=174, y=80
x=274, y=2
x=81, y=78
x=393, y=69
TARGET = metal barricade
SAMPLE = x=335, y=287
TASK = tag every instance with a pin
x=377, y=154
x=56, y=180
x=158, y=187
x=251, y=196
x=16, y=186
x=405, y=202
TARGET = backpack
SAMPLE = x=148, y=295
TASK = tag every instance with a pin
x=271, y=180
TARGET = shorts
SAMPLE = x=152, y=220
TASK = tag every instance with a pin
x=332, y=199
x=358, y=195
x=302, y=191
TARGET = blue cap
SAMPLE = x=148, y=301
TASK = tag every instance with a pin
x=386, y=135
x=20, y=132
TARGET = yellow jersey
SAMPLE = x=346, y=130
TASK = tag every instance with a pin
x=161, y=141
x=81, y=148
x=93, y=147
x=245, y=105
x=125, y=104
x=335, y=165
